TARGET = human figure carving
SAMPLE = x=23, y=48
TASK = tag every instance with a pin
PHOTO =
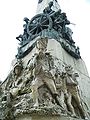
x=72, y=90
x=64, y=21
x=48, y=9
x=61, y=87
x=43, y=67
x=14, y=87
x=40, y=1
x=23, y=38
x=68, y=35
x=17, y=81
x=77, y=51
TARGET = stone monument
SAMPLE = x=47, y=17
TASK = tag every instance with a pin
x=49, y=79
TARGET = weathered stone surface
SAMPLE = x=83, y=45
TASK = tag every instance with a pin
x=84, y=81
x=25, y=97
x=28, y=117
x=49, y=79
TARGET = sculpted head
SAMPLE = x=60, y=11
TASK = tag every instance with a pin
x=18, y=68
x=41, y=45
x=69, y=69
x=51, y=4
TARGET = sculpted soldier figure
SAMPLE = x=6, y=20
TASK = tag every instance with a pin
x=48, y=9
x=61, y=87
x=11, y=90
x=64, y=22
x=24, y=37
x=17, y=80
x=40, y=1
x=14, y=86
x=68, y=35
x=72, y=90
x=43, y=67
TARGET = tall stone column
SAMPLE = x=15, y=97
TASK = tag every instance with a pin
x=49, y=79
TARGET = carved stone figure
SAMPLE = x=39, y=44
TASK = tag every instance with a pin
x=17, y=82
x=61, y=88
x=43, y=67
x=6, y=106
x=72, y=91
x=14, y=86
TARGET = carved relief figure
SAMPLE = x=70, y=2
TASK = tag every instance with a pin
x=72, y=91
x=16, y=82
x=24, y=38
x=14, y=87
x=43, y=67
x=61, y=87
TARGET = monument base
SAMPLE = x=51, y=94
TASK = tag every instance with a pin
x=29, y=117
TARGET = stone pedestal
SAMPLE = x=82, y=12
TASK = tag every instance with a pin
x=28, y=117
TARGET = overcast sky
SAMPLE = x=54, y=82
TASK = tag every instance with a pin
x=12, y=13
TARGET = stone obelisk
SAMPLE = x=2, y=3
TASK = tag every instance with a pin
x=49, y=79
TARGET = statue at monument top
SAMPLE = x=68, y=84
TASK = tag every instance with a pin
x=48, y=9
x=43, y=0
x=42, y=4
x=40, y=1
